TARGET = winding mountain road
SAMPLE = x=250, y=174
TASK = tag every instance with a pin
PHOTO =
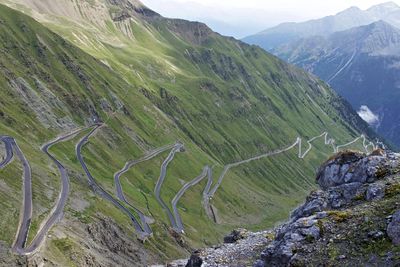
x=26, y=215
x=328, y=141
x=206, y=197
x=26, y=211
x=57, y=212
x=98, y=189
x=174, y=202
x=9, y=153
x=157, y=190
x=143, y=229
x=120, y=193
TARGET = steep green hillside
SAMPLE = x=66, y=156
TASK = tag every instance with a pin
x=153, y=82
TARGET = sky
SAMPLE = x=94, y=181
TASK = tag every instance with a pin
x=240, y=18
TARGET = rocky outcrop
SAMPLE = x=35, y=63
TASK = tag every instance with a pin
x=349, y=222
x=346, y=177
x=351, y=168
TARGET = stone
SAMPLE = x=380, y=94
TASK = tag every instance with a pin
x=343, y=194
x=315, y=202
x=375, y=192
x=321, y=215
x=278, y=254
x=259, y=263
x=296, y=237
x=305, y=222
x=376, y=235
x=235, y=235
x=393, y=229
x=313, y=232
x=194, y=261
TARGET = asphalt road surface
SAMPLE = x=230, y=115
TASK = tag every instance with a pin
x=120, y=193
x=157, y=189
x=26, y=211
x=99, y=190
x=180, y=228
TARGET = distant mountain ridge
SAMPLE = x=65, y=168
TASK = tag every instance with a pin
x=362, y=64
x=349, y=18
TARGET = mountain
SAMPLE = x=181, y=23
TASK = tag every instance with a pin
x=382, y=10
x=353, y=223
x=349, y=18
x=139, y=104
x=362, y=64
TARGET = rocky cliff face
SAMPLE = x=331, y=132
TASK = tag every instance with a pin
x=352, y=220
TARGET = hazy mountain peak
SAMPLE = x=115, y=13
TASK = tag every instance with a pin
x=350, y=10
x=349, y=18
x=382, y=10
x=376, y=38
x=386, y=6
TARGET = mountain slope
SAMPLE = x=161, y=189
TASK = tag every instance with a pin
x=361, y=64
x=352, y=220
x=349, y=18
x=152, y=82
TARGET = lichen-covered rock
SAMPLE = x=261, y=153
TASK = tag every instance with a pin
x=349, y=167
x=375, y=192
x=344, y=178
x=393, y=229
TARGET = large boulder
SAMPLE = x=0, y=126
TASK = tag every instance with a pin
x=349, y=167
x=282, y=250
x=235, y=235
